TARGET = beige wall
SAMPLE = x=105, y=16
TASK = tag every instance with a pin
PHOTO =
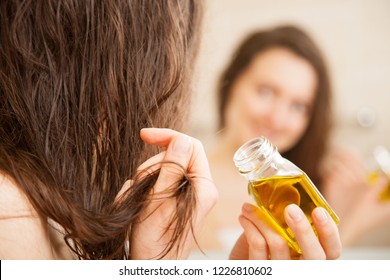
x=353, y=34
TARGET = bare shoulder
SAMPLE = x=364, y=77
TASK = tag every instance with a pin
x=23, y=233
x=13, y=202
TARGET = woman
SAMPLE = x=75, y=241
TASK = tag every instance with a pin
x=78, y=82
x=277, y=85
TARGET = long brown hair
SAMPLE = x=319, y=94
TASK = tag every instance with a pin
x=311, y=148
x=78, y=80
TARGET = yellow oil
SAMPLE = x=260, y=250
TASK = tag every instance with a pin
x=373, y=177
x=275, y=193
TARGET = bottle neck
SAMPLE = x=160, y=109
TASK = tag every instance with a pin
x=256, y=156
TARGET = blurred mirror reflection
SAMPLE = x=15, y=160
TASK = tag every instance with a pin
x=354, y=39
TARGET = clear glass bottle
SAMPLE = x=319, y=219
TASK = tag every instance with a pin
x=275, y=182
x=381, y=167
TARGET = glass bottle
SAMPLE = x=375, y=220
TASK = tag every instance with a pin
x=381, y=167
x=275, y=182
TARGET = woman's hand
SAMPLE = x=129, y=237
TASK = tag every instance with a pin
x=149, y=238
x=356, y=201
x=344, y=181
x=260, y=241
x=367, y=214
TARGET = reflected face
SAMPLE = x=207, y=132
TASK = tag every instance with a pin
x=272, y=97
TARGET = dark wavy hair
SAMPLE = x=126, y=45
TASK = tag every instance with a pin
x=311, y=148
x=78, y=80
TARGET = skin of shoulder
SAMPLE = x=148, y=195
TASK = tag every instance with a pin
x=13, y=202
x=23, y=233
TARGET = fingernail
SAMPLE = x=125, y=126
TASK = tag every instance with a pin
x=146, y=129
x=247, y=208
x=182, y=145
x=295, y=212
x=321, y=215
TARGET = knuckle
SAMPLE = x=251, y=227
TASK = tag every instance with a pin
x=304, y=228
x=197, y=143
x=278, y=243
x=326, y=233
x=173, y=168
x=320, y=256
x=213, y=195
x=258, y=243
x=208, y=196
x=317, y=254
x=334, y=254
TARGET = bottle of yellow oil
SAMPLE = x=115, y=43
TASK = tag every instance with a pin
x=275, y=182
x=382, y=168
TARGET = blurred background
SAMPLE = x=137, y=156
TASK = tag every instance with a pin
x=355, y=39
x=354, y=36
